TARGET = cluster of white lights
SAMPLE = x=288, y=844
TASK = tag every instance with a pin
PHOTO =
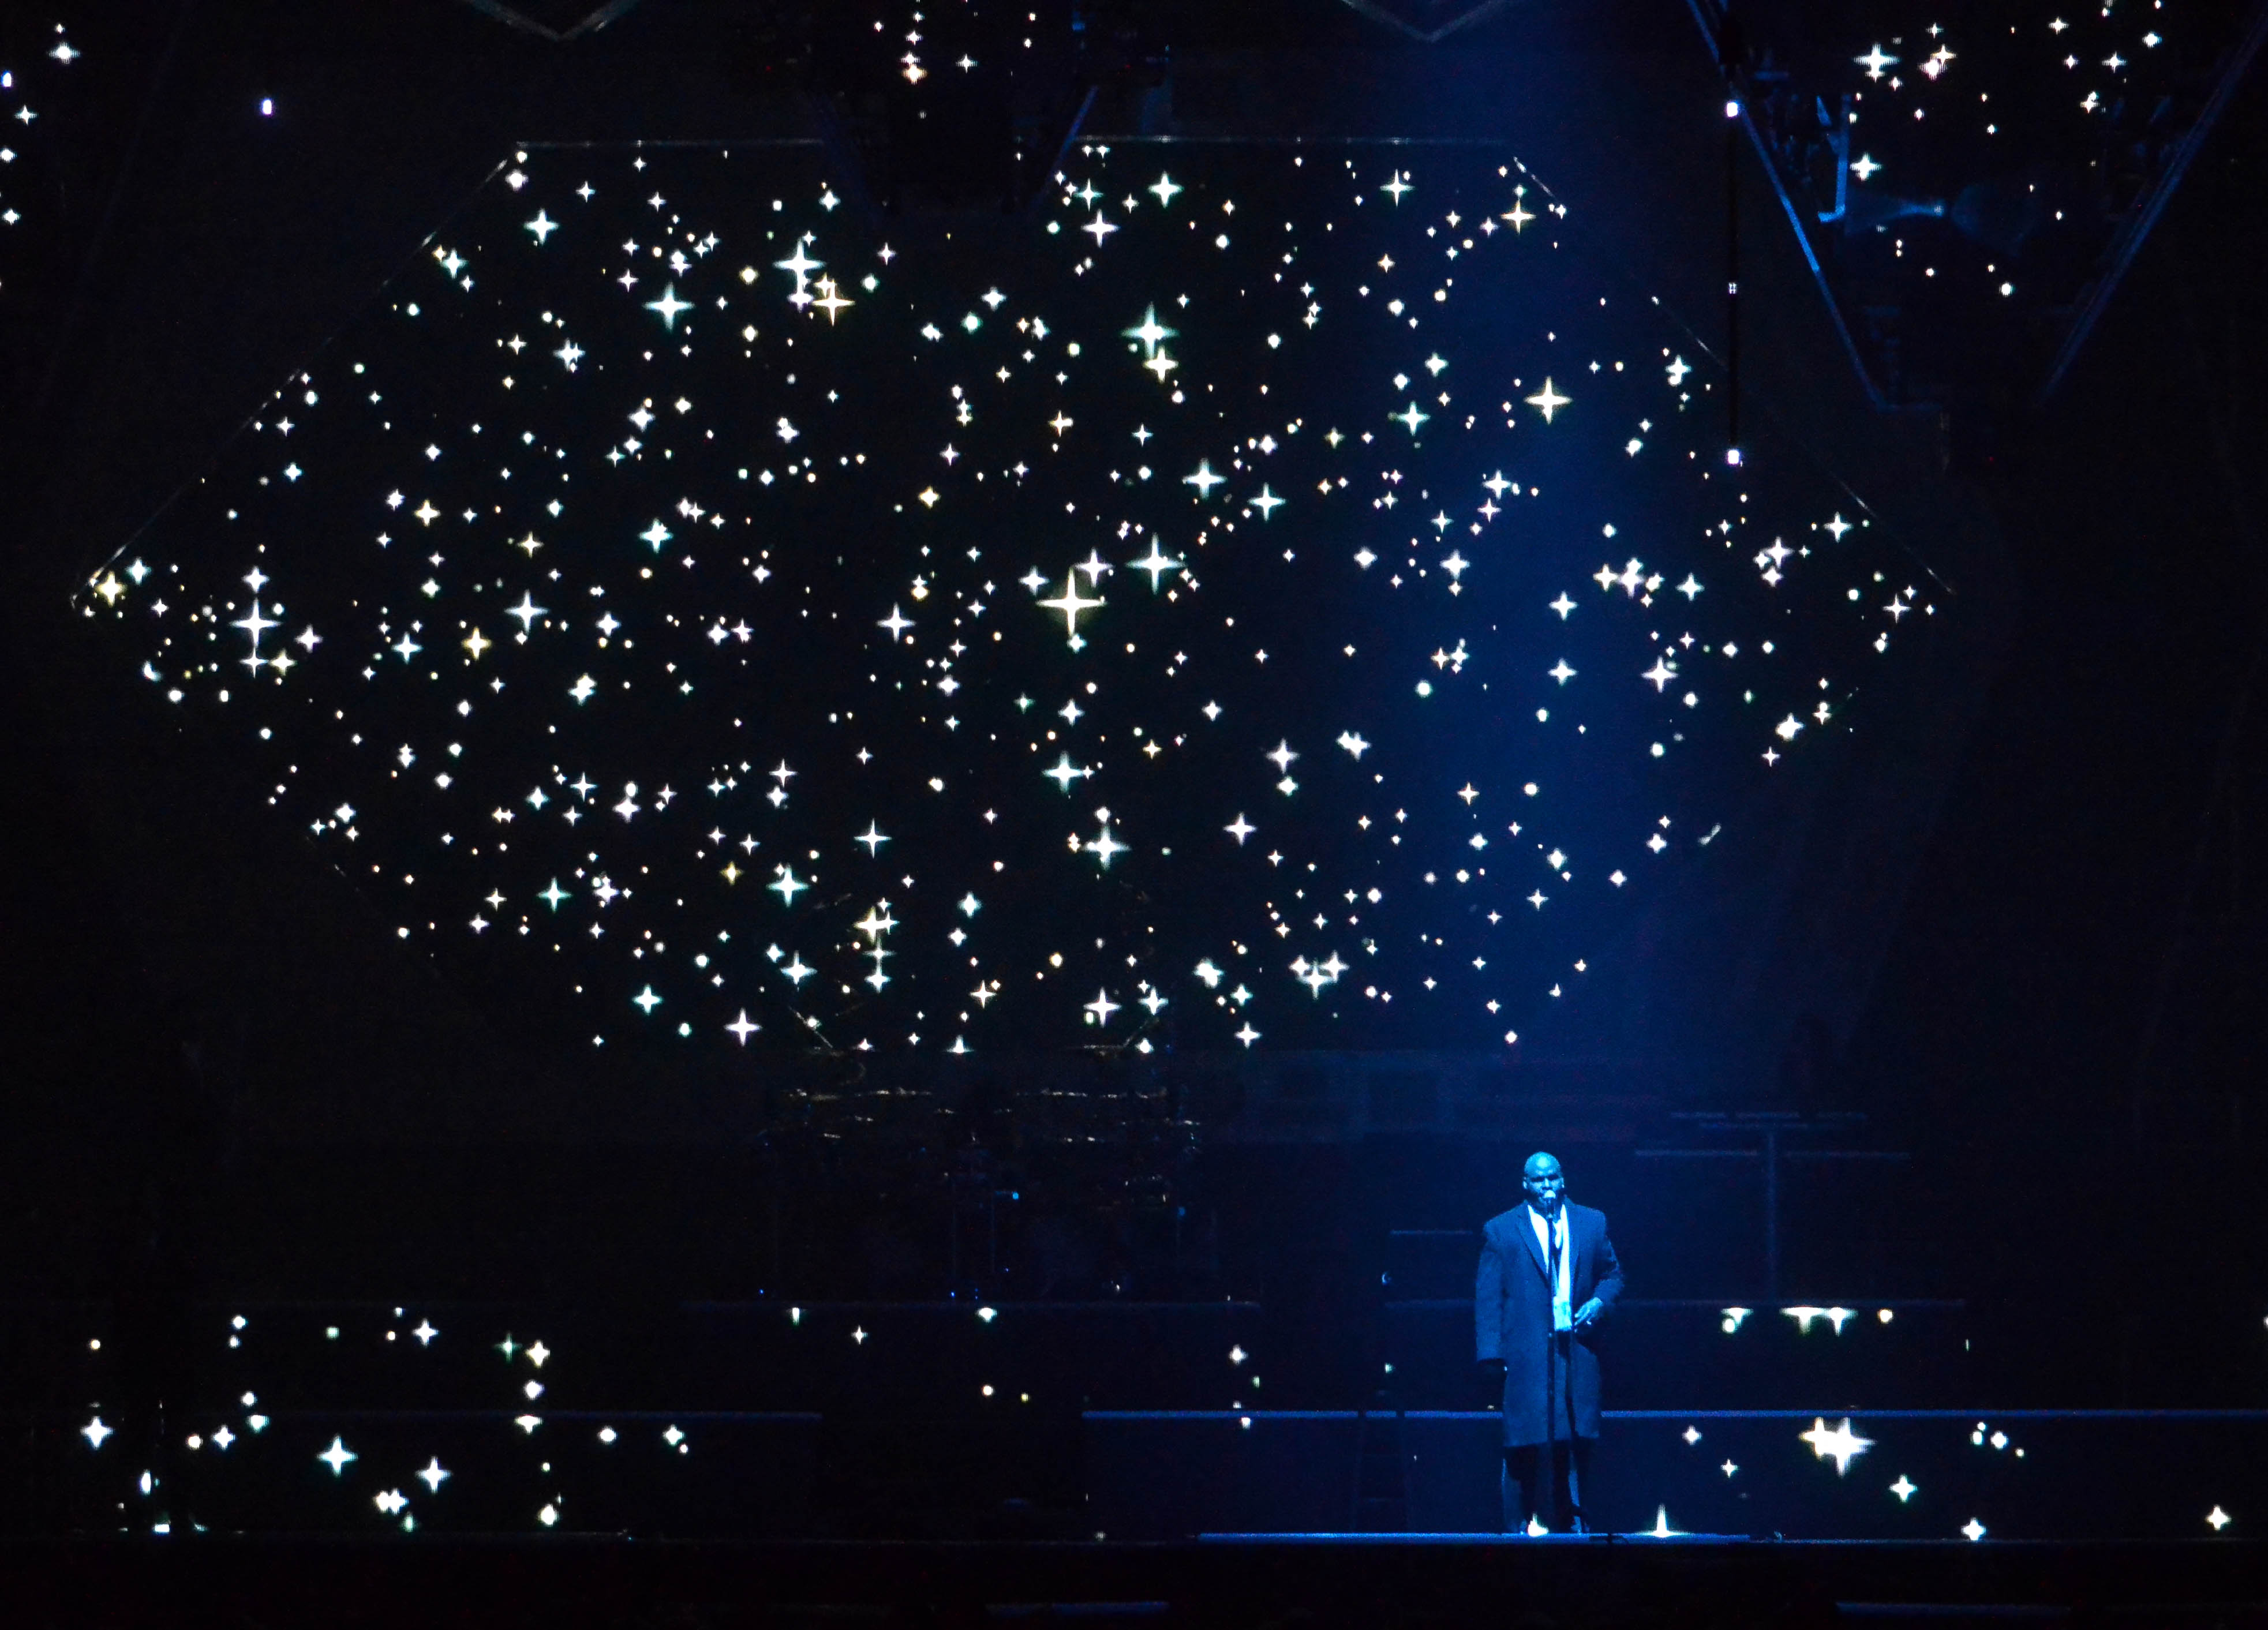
x=1188, y=621
x=19, y=120
x=2091, y=53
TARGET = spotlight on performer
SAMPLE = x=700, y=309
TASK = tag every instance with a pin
x=1548, y=1276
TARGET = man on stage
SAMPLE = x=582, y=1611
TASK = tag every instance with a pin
x=1547, y=1276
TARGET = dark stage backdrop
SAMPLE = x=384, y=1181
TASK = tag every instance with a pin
x=435, y=1105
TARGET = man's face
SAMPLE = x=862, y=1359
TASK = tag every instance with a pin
x=1545, y=1183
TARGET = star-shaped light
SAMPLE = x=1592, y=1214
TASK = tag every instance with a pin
x=253, y=624
x=337, y=1455
x=2218, y=1519
x=1101, y=1008
x=1165, y=187
x=896, y=624
x=799, y=265
x=1156, y=563
x=1396, y=187
x=434, y=1475
x=1841, y=1445
x=742, y=1029
x=787, y=885
x=1904, y=1488
x=1239, y=829
x=1070, y=603
x=669, y=305
x=1204, y=479
x=830, y=299
x=1065, y=772
x=1152, y=332
x=542, y=227
x=94, y=1432
x=1865, y=167
x=1411, y=417
x=1973, y=1530
x=1266, y=503
x=1547, y=400
x=1104, y=846
x=1101, y=228
x=1875, y=62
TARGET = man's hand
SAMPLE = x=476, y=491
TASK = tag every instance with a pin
x=1588, y=1315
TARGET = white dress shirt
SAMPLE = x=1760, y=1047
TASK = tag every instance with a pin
x=1563, y=1317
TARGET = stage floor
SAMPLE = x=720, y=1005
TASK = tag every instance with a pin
x=1013, y=1423
x=1226, y=1581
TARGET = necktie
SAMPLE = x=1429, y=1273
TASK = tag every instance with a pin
x=1562, y=1316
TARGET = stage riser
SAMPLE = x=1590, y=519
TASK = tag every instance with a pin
x=1134, y=1477
x=1665, y=1355
x=2077, y=1478
x=936, y=1358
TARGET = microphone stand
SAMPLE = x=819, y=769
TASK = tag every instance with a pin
x=1560, y=1381
x=1551, y=1384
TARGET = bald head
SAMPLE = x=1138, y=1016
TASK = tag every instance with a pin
x=1545, y=1183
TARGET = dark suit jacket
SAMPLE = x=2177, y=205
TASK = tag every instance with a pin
x=1512, y=1320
